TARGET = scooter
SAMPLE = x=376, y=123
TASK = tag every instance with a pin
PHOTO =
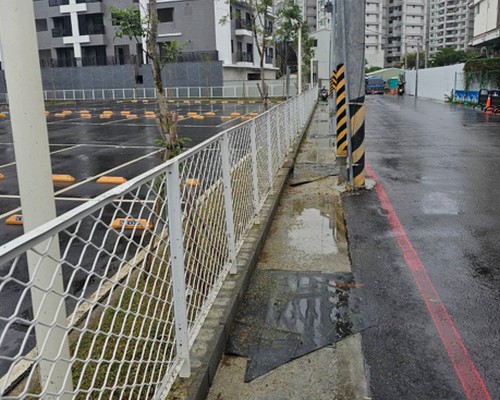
x=323, y=94
x=401, y=89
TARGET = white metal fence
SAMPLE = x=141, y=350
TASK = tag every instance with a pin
x=247, y=90
x=138, y=268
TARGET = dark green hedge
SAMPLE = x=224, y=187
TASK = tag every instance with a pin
x=482, y=65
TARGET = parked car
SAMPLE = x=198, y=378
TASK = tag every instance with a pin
x=374, y=85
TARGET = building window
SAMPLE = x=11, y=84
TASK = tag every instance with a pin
x=41, y=25
x=166, y=15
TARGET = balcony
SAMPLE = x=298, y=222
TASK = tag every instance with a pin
x=243, y=27
x=88, y=1
x=244, y=57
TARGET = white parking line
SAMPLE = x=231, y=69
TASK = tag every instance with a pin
x=53, y=152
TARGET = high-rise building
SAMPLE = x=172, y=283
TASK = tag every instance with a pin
x=406, y=28
x=375, y=32
x=450, y=25
x=486, y=36
x=81, y=32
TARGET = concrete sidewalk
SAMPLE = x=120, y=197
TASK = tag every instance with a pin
x=306, y=242
x=284, y=325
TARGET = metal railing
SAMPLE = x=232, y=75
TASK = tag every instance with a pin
x=138, y=268
x=247, y=90
x=244, y=57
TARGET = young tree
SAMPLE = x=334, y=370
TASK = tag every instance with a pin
x=130, y=23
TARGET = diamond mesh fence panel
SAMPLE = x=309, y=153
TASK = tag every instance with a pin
x=92, y=306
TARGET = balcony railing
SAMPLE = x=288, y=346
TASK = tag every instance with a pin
x=243, y=24
x=61, y=32
x=244, y=57
x=92, y=30
x=55, y=3
x=195, y=56
x=88, y=1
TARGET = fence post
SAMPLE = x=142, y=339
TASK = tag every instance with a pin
x=281, y=134
x=178, y=268
x=255, y=176
x=228, y=201
x=64, y=95
x=31, y=145
x=269, y=150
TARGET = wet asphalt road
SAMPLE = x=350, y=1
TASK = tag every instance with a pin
x=439, y=166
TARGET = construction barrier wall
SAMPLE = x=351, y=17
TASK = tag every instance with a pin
x=433, y=83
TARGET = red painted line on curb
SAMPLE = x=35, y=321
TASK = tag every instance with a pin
x=472, y=383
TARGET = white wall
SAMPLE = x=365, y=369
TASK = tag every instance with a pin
x=433, y=83
x=322, y=53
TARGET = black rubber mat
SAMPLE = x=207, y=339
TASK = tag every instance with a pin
x=288, y=314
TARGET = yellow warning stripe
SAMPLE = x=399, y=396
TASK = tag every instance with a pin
x=357, y=120
x=342, y=122
x=341, y=97
x=357, y=127
x=358, y=153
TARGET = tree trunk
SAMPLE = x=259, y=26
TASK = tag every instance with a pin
x=167, y=119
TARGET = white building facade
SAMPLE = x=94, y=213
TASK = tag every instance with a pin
x=375, y=33
x=486, y=36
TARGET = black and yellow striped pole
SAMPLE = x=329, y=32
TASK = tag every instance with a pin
x=333, y=83
x=357, y=115
x=341, y=112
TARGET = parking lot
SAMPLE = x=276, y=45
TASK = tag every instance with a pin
x=89, y=140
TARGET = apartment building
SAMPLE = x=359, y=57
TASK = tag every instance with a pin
x=375, y=32
x=82, y=33
x=486, y=37
x=450, y=25
x=406, y=28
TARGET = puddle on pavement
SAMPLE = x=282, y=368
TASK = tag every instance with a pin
x=317, y=226
x=314, y=232
x=288, y=314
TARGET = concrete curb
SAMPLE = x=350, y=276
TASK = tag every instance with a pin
x=209, y=346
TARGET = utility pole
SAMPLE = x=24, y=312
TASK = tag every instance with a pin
x=406, y=57
x=417, y=62
x=349, y=56
x=329, y=8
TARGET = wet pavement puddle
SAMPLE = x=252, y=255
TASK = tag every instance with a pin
x=313, y=234
x=288, y=314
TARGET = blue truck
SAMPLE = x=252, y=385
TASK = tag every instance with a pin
x=374, y=85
